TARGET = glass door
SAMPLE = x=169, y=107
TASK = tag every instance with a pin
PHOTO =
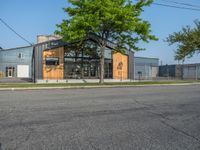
x=10, y=72
x=91, y=70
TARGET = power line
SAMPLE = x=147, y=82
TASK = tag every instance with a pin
x=180, y=3
x=174, y=6
x=178, y=7
x=14, y=31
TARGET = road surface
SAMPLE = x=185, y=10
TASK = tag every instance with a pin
x=133, y=118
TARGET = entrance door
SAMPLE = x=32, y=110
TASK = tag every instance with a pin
x=90, y=70
x=10, y=72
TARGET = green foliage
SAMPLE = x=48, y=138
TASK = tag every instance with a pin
x=90, y=49
x=115, y=20
x=187, y=40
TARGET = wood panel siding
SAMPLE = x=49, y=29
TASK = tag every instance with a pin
x=120, y=66
x=53, y=71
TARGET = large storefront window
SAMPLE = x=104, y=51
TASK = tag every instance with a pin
x=108, y=69
x=84, y=63
x=77, y=68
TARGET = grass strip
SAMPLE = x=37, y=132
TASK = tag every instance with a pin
x=35, y=85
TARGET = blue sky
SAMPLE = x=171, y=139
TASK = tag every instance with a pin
x=35, y=17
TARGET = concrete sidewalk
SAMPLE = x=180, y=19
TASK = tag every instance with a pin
x=95, y=86
x=84, y=81
x=15, y=80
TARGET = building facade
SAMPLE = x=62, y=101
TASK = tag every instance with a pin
x=146, y=68
x=181, y=71
x=191, y=71
x=172, y=71
x=55, y=60
x=16, y=62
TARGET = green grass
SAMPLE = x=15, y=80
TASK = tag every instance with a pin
x=32, y=85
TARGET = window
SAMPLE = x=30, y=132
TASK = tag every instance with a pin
x=21, y=55
x=52, y=61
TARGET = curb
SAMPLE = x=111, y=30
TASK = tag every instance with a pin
x=100, y=86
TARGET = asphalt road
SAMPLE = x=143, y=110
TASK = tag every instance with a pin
x=134, y=118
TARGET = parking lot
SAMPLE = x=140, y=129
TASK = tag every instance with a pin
x=139, y=118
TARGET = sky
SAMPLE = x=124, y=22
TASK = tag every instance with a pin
x=30, y=18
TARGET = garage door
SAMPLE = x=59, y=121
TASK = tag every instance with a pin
x=23, y=71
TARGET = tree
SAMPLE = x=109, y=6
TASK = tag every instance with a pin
x=187, y=40
x=115, y=20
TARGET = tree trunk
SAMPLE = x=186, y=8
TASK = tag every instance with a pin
x=82, y=69
x=102, y=52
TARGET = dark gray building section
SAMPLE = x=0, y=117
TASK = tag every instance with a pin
x=131, y=69
x=180, y=71
x=37, y=60
x=172, y=71
x=167, y=71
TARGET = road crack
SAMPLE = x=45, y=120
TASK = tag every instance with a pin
x=164, y=118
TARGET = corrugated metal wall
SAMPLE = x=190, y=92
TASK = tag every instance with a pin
x=146, y=68
x=130, y=64
x=191, y=71
x=14, y=57
x=181, y=71
x=167, y=71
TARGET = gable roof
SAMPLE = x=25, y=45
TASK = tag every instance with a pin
x=15, y=48
x=58, y=43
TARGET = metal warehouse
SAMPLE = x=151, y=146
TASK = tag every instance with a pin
x=16, y=62
x=146, y=68
x=181, y=71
